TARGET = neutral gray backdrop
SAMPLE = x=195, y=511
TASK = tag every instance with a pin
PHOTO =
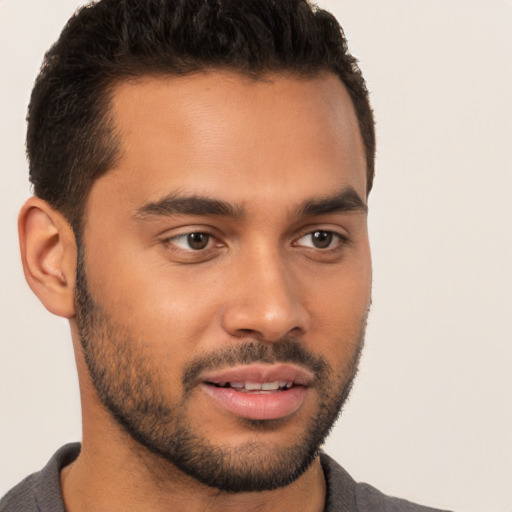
x=430, y=417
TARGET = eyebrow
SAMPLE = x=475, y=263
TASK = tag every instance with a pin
x=175, y=204
x=348, y=200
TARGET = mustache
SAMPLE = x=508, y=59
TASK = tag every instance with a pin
x=281, y=351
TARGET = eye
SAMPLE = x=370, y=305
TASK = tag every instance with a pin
x=191, y=241
x=321, y=240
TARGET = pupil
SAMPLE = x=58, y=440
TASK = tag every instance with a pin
x=322, y=239
x=198, y=240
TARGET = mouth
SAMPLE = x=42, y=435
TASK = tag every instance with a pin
x=258, y=392
x=255, y=387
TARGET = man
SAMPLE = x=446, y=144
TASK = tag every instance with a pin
x=201, y=171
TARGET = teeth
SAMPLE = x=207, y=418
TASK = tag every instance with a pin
x=250, y=386
x=257, y=386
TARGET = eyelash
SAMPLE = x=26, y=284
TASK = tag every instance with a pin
x=332, y=235
x=171, y=241
x=340, y=241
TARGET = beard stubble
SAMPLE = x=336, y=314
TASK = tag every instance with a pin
x=128, y=382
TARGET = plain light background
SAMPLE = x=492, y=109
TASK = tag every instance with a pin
x=430, y=417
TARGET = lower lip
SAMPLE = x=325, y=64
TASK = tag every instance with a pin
x=258, y=406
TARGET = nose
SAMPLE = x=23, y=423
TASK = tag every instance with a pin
x=265, y=299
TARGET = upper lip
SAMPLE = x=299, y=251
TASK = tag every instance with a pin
x=260, y=373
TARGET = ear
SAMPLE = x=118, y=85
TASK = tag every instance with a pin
x=48, y=253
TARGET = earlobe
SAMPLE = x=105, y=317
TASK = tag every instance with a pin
x=48, y=253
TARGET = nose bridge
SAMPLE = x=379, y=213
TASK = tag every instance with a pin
x=265, y=299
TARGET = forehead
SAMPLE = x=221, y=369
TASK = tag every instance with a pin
x=235, y=137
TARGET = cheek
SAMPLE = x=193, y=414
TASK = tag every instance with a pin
x=343, y=292
x=168, y=309
x=339, y=305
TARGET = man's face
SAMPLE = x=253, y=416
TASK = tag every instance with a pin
x=224, y=278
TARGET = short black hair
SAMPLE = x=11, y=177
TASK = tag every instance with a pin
x=70, y=137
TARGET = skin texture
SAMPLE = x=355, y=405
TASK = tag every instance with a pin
x=266, y=148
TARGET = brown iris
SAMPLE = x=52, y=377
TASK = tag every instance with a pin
x=321, y=239
x=198, y=241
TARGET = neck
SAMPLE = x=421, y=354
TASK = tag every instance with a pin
x=113, y=479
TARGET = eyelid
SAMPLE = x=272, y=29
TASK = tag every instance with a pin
x=187, y=229
x=184, y=236
x=341, y=238
x=169, y=237
x=337, y=230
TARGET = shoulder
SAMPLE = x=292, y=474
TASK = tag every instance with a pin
x=370, y=499
x=22, y=497
x=343, y=493
x=40, y=492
